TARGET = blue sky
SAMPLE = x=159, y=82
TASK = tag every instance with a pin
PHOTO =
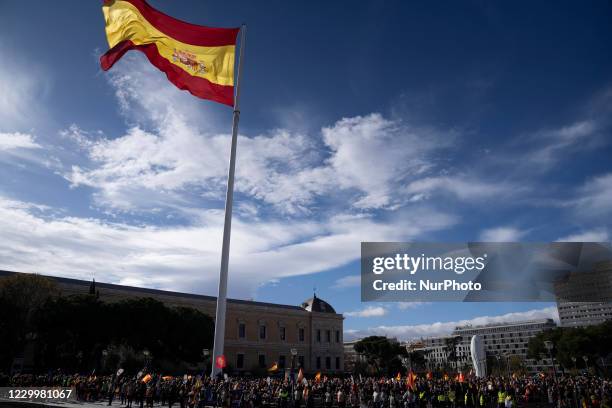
x=382, y=121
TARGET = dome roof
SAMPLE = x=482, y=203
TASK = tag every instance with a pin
x=314, y=304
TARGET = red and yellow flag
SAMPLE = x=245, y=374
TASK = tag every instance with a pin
x=411, y=380
x=274, y=367
x=398, y=376
x=194, y=58
x=146, y=378
x=318, y=376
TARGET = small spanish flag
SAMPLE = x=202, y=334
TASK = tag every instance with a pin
x=429, y=375
x=398, y=376
x=300, y=376
x=445, y=377
x=411, y=380
x=460, y=377
x=274, y=367
x=146, y=378
x=194, y=58
x=318, y=376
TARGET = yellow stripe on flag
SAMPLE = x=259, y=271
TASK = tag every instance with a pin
x=125, y=22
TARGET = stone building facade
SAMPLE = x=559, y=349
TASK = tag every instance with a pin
x=257, y=334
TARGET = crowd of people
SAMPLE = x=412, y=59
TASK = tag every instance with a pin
x=150, y=390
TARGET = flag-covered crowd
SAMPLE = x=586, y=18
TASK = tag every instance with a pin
x=331, y=392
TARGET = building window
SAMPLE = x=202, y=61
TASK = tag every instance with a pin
x=328, y=336
x=337, y=336
x=301, y=333
x=262, y=332
x=241, y=330
x=239, y=360
x=281, y=361
x=337, y=363
x=318, y=335
x=300, y=361
x=318, y=363
x=262, y=360
x=327, y=363
x=283, y=334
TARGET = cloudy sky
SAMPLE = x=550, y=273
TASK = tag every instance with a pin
x=379, y=122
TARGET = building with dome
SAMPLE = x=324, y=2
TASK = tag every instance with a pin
x=257, y=334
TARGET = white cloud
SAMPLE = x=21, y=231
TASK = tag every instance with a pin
x=36, y=239
x=366, y=158
x=410, y=305
x=375, y=155
x=370, y=311
x=596, y=235
x=350, y=281
x=555, y=144
x=23, y=84
x=12, y=141
x=464, y=188
x=595, y=197
x=445, y=328
x=502, y=234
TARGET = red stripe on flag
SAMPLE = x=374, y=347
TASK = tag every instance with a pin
x=197, y=86
x=182, y=31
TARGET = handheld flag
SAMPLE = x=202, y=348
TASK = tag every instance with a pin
x=398, y=376
x=410, y=380
x=429, y=375
x=273, y=368
x=300, y=376
x=220, y=362
x=318, y=376
x=461, y=377
x=195, y=58
x=146, y=378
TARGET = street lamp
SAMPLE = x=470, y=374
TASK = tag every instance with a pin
x=205, y=354
x=586, y=362
x=147, y=356
x=293, y=354
x=549, y=346
x=507, y=358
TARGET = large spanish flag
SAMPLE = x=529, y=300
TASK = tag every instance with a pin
x=194, y=58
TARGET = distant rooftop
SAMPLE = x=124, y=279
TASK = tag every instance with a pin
x=505, y=324
x=147, y=291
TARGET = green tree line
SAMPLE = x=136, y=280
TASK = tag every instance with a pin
x=82, y=333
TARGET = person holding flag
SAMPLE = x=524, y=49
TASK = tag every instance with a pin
x=411, y=380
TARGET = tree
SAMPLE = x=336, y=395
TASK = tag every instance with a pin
x=451, y=350
x=594, y=342
x=21, y=296
x=381, y=354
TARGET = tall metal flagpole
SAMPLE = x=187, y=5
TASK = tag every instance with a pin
x=227, y=227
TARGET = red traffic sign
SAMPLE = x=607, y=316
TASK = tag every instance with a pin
x=220, y=361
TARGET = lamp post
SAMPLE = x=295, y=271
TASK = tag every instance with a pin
x=293, y=354
x=507, y=358
x=205, y=354
x=147, y=358
x=586, y=363
x=104, y=355
x=549, y=346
